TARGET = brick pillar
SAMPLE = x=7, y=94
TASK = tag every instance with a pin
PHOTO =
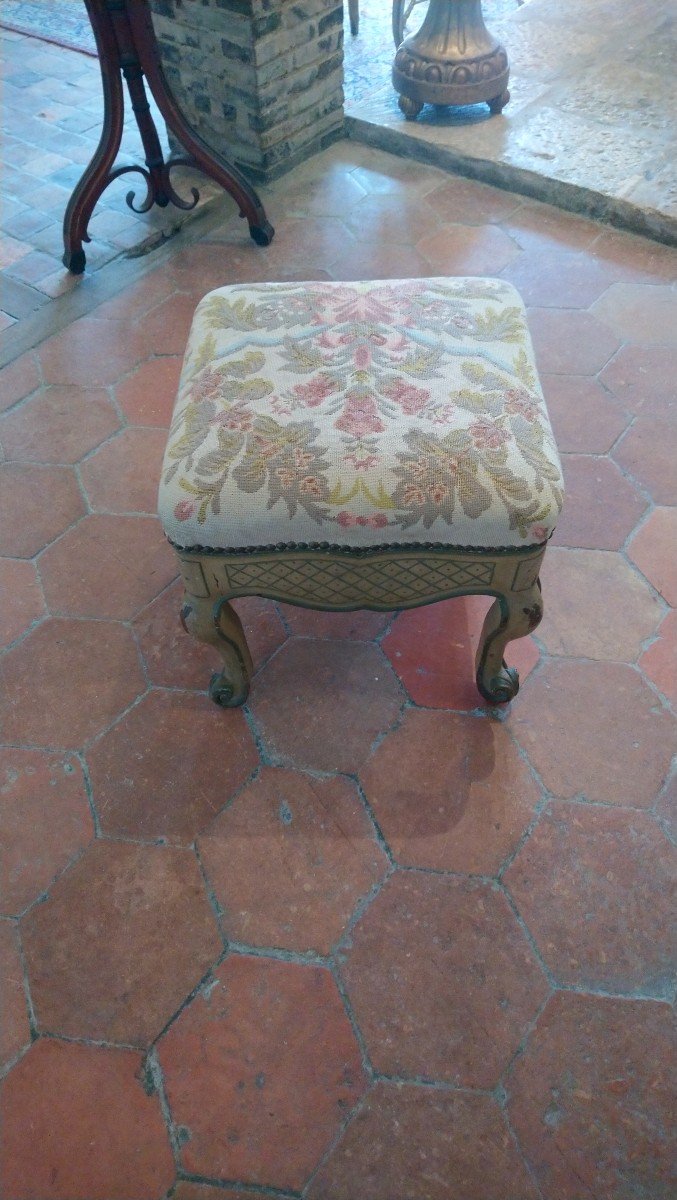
x=261, y=80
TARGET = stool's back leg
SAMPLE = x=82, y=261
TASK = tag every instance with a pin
x=216, y=623
x=512, y=615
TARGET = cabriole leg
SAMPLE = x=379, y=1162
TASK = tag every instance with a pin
x=216, y=623
x=513, y=615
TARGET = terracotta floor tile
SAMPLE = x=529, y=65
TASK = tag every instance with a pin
x=659, y=661
x=175, y=659
x=359, y=626
x=437, y=1145
x=169, y=766
x=37, y=504
x=595, y=729
x=66, y=682
x=653, y=550
x=442, y=980
x=18, y=379
x=666, y=807
x=569, y=342
x=649, y=452
x=68, y=358
x=640, y=313
x=601, y=506
x=79, y=1125
x=432, y=650
x=46, y=821
x=21, y=600
x=537, y=226
x=317, y=242
x=122, y=940
x=591, y=1099
x=334, y=193
x=596, y=888
x=123, y=475
x=289, y=859
x=166, y=328
x=469, y=202
x=15, y=1031
x=467, y=250
x=147, y=396
x=379, y=260
x=585, y=419
x=269, y=1044
x=384, y=173
x=203, y=1191
x=140, y=296
x=320, y=704
x=636, y=256
x=58, y=425
x=393, y=218
x=558, y=278
x=108, y=566
x=637, y=375
x=450, y=792
x=596, y=605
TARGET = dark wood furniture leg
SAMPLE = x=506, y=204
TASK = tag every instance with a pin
x=127, y=46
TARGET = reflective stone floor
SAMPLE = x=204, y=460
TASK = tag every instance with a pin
x=365, y=939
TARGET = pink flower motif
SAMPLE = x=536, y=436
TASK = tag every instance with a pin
x=410, y=399
x=539, y=532
x=362, y=462
x=520, y=403
x=348, y=520
x=208, y=383
x=184, y=510
x=315, y=391
x=362, y=356
x=359, y=417
x=487, y=435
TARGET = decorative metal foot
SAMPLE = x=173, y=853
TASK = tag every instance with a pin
x=410, y=108
x=498, y=103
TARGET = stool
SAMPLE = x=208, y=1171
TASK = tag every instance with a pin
x=374, y=445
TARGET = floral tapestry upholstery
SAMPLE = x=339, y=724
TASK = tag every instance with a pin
x=401, y=412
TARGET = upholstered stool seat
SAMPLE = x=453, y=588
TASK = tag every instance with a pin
x=361, y=445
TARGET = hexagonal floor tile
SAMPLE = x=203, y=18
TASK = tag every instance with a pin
x=203, y=1191
x=122, y=476
x=450, y=792
x=46, y=822
x=18, y=379
x=92, y=352
x=659, y=662
x=21, y=599
x=432, y=650
x=653, y=550
x=539, y=226
x=637, y=376
x=441, y=1145
x=395, y=218
x=15, y=1031
x=596, y=888
x=148, y=394
x=596, y=605
x=78, y=1122
x=169, y=766
x=666, y=808
x=442, y=980
x=556, y=278
x=649, y=452
x=37, y=504
x=107, y=567
x=175, y=659
x=467, y=250
x=66, y=681
x=640, y=313
x=269, y=1045
x=124, y=937
x=321, y=704
x=585, y=419
x=595, y=729
x=470, y=202
x=601, y=506
x=290, y=858
x=592, y=1098
x=359, y=626
x=569, y=342
x=58, y=425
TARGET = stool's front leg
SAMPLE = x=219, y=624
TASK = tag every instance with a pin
x=512, y=615
x=216, y=623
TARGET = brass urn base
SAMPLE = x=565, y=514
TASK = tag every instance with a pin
x=453, y=59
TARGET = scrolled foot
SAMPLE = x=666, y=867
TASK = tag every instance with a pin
x=410, y=108
x=262, y=234
x=74, y=261
x=500, y=688
x=498, y=103
x=225, y=694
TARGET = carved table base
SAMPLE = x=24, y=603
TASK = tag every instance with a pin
x=126, y=44
x=384, y=579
